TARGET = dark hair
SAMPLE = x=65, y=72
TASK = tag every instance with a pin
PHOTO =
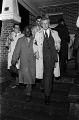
x=38, y=17
x=61, y=20
x=45, y=18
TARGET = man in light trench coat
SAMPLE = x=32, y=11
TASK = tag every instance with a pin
x=46, y=54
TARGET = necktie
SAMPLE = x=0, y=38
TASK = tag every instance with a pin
x=45, y=34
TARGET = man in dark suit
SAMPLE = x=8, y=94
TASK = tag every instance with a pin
x=49, y=56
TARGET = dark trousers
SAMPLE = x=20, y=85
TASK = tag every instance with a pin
x=63, y=66
x=48, y=80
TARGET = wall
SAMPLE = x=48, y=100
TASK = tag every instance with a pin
x=6, y=29
x=70, y=14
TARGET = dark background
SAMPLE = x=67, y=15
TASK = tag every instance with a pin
x=24, y=16
x=0, y=12
x=54, y=18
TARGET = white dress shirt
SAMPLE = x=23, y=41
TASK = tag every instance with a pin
x=48, y=32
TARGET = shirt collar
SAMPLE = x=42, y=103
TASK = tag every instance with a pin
x=47, y=31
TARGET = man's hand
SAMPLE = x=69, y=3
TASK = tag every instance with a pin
x=37, y=55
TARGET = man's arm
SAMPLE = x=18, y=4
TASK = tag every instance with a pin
x=35, y=46
x=33, y=31
x=57, y=39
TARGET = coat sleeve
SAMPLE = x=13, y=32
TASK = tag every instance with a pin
x=33, y=31
x=16, y=53
x=35, y=46
x=35, y=43
x=56, y=39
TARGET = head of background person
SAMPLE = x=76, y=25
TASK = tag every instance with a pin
x=61, y=21
x=38, y=20
x=27, y=31
x=45, y=23
x=16, y=28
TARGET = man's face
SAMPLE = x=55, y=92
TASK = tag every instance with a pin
x=16, y=28
x=38, y=22
x=45, y=24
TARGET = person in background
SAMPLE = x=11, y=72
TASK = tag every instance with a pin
x=39, y=63
x=47, y=43
x=10, y=44
x=24, y=51
x=37, y=27
x=65, y=39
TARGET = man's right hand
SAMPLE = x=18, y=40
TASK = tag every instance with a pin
x=37, y=55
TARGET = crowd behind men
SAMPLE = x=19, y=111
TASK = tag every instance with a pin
x=41, y=53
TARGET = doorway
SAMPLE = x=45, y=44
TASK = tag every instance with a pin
x=24, y=13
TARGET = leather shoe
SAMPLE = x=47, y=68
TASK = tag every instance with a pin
x=47, y=100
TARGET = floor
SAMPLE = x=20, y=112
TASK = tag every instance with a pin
x=15, y=107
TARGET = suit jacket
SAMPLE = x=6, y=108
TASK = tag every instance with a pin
x=49, y=51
